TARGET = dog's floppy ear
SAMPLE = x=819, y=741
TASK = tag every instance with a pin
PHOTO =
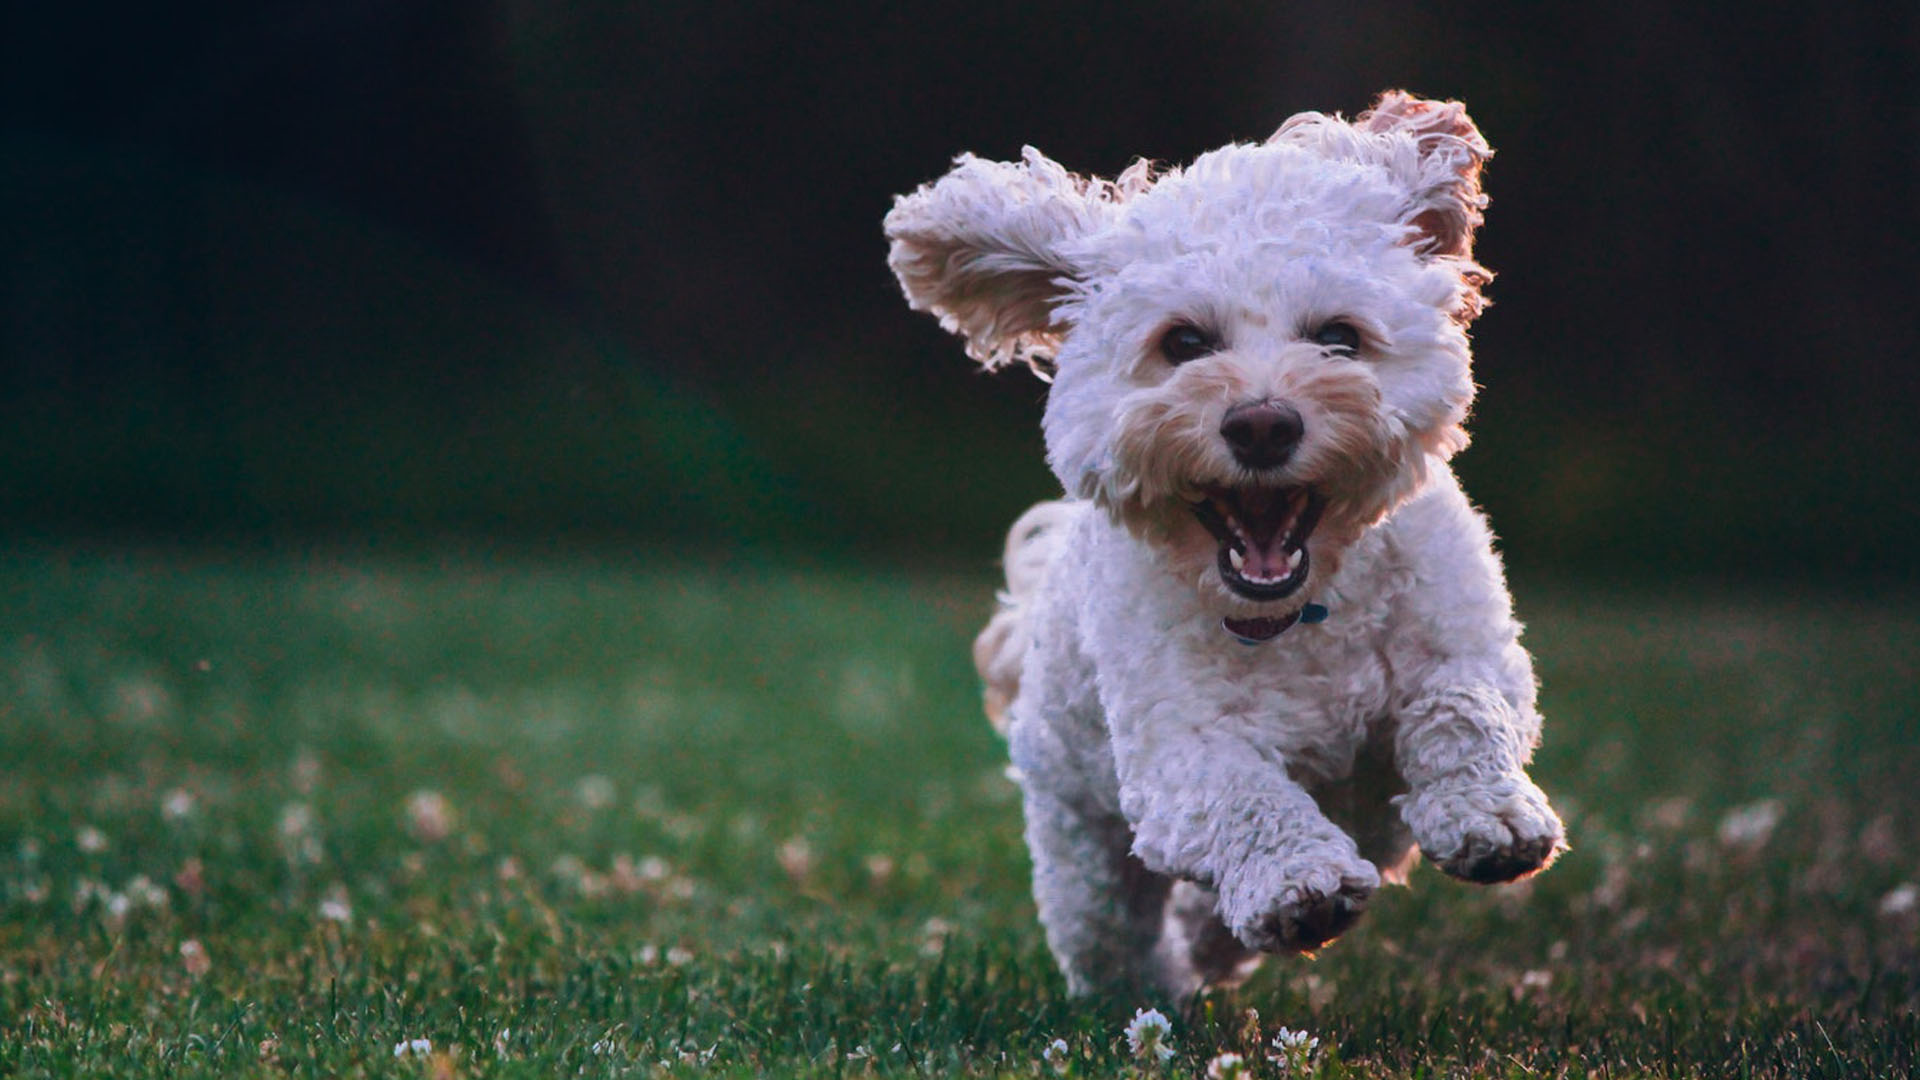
x=985, y=249
x=1434, y=151
x=1447, y=200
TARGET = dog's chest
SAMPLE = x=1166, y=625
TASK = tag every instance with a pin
x=1315, y=694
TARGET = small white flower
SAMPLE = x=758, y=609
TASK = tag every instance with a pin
x=595, y=792
x=1056, y=1055
x=193, y=957
x=1534, y=983
x=177, y=806
x=142, y=890
x=429, y=816
x=296, y=820
x=86, y=891
x=1901, y=900
x=90, y=840
x=414, y=1047
x=1150, y=1035
x=1227, y=1067
x=335, y=907
x=299, y=833
x=796, y=857
x=1749, y=827
x=1292, y=1049
x=679, y=957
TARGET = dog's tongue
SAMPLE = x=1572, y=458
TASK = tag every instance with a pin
x=1264, y=515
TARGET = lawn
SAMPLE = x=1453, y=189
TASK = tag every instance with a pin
x=505, y=815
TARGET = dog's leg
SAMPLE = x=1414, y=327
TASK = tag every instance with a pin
x=1465, y=722
x=1472, y=808
x=1212, y=808
x=1197, y=950
x=1101, y=908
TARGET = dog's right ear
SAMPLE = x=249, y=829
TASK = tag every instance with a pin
x=987, y=249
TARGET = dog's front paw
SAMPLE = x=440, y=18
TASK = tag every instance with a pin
x=1303, y=911
x=1485, y=830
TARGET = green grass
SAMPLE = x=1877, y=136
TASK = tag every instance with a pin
x=721, y=820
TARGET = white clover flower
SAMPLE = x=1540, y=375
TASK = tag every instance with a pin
x=1227, y=1066
x=1292, y=1049
x=796, y=857
x=193, y=957
x=1056, y=1055
x=595, y=792
x=414, y=1047
x=90, y=840
x=177, y=806
x=299, y=833
x=1901, y=900
x=429, y=816
x=1749, y=827
x=142, y=890
x=86, y=891
x=335, y=907
x=1150, y=1035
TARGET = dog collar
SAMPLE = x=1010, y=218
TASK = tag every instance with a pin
x=1258, y=631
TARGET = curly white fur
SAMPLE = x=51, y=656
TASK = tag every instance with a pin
x=1191, y=800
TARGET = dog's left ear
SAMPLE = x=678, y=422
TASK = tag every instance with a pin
x=1434, y=151
x=1447, y=203
x=988, y=249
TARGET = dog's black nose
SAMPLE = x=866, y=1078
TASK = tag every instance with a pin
x=1262, y=434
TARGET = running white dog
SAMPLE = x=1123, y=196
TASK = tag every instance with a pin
x=1265, y=648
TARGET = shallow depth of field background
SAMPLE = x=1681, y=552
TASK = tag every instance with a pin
x=561, y=270
x=487, y=555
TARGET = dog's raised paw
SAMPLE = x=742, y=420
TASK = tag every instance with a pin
x=1489, y=864
x=1486, y=833
x=1305, y=917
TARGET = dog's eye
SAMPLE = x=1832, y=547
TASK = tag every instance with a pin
x=1338, y=336
x=1185, y=342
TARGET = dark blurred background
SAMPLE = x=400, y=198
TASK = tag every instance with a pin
x=553, y=270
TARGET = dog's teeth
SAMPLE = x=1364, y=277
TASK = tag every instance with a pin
x=1238, y=560
x=1293, y=560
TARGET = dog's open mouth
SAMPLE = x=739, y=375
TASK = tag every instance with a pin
x=1263, y=537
